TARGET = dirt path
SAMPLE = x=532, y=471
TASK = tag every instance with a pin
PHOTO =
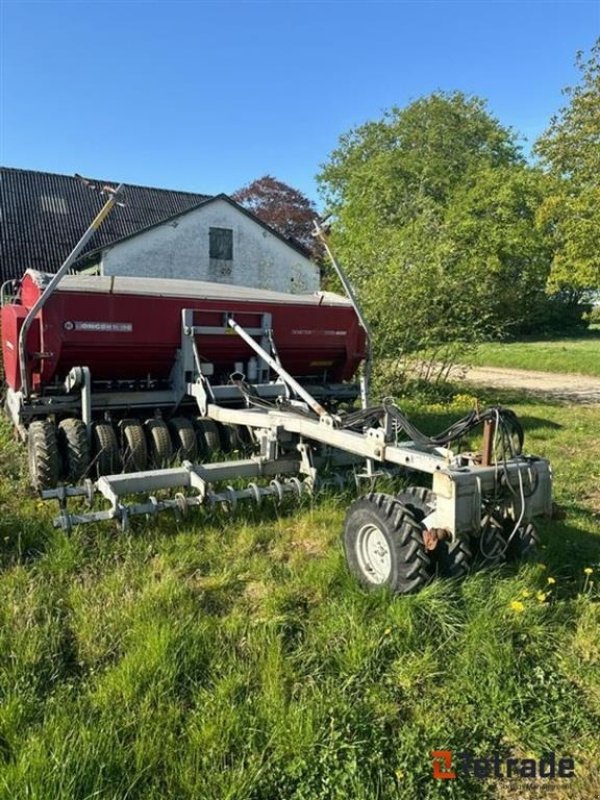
x=572, y=388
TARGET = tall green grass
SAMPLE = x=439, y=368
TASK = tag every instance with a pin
x=234, y=657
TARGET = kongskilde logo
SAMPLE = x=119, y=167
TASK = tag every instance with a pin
x=449, y=766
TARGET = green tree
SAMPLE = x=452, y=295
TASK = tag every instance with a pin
x=490, y=223
x=433, y=218
x=570, y=152
x=395, y=166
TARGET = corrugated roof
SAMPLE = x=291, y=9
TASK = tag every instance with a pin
x=44, y=215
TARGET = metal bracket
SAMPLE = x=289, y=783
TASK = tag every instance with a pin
x=81, y=378
x=307, y=466
x=283, y=374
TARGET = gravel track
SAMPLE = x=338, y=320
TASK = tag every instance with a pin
x=559, y=386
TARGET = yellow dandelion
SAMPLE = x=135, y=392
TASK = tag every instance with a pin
x=525, y=593
x=387, y=631
x=517, y=606
x=588, y=570
x=551, y=580
x=541, y=597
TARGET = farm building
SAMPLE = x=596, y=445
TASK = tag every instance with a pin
x=158, y=233
x=217, y=240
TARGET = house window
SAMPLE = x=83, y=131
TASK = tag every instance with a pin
x=221, y=243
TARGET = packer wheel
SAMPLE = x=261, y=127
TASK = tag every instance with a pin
x=184, y=439
x=105, y=447
x=74, y=447
x=42, y=451
x=450, y=559
x=208, y=436
x=231, y=438
x=384, y=546
x=133, y=446
x=159, y=443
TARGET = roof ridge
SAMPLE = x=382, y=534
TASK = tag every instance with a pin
x=104, y=181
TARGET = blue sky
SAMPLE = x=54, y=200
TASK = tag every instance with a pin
x=207, y=96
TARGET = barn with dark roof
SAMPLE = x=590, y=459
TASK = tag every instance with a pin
x=44, y=215
x=157, y=233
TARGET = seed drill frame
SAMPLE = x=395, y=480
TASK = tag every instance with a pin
x=296, y=434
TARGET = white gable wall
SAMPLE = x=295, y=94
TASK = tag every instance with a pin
x=180, y=249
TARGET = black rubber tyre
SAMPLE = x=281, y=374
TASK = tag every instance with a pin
x=208, y=436
x=160, y=449
x=419, y=499
x=183, y=437
x=245, y=436
x=384, y=546
x=524, y=544
x=74, y=448
x=43, y=457
x=453, y=559
x=105, y=447
x=489, y=548
x=231, y=438
x=450, y=559
x=134, y=449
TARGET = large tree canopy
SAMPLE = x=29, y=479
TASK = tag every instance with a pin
x=434, y=217
x=570, y=152
x=282, y=207
x=413, y=155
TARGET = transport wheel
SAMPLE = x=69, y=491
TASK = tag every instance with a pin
x=490, y=546
x=159, y=443
x=450, y=559
x=134, y=449
x=420, y=500
x=208, y=436
x=42, y=451
x=384, y=546
x=105, y=447
x=183, y=437
x=74, y=448
x=523, y=545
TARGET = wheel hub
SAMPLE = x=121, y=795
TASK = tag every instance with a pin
x=373, y=553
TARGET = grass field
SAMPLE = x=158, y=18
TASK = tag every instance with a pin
x=574, y=355
x=235, y=658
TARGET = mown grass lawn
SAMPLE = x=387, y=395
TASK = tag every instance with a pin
x=571, y=355
x=234, y=657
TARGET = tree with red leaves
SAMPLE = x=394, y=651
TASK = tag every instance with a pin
x=284, y=208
